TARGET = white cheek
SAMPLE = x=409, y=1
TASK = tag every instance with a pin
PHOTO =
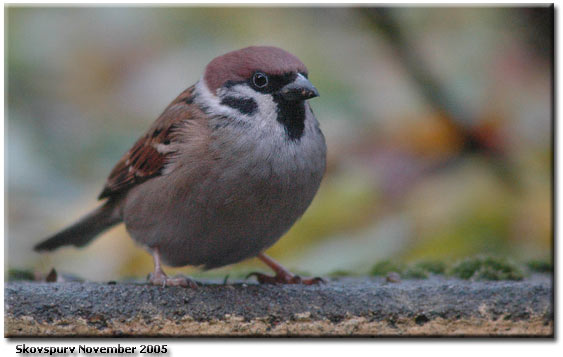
x=261, y=127
x=264, y=119
x=265, y=102
x=265, y=114
x=211, y=102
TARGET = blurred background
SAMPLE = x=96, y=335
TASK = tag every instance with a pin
x=438, y=124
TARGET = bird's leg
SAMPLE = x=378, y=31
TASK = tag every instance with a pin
x=283, y=276
x=158, y=277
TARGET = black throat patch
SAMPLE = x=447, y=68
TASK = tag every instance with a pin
x=291, y=114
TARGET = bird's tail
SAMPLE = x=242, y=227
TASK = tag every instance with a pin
x=86, y=229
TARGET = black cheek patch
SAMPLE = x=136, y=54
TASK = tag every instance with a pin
x=246, y=106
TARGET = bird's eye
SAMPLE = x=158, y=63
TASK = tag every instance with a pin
x=260, y=80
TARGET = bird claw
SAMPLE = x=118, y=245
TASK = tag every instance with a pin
x=163, y=280
x=285, y=278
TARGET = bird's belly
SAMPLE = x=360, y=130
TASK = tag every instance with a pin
x=231, y=206
x=239, y=230
x=221, y=220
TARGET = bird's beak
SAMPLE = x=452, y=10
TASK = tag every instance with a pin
x=299, y=89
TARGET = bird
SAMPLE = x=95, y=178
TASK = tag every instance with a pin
x=225, y=171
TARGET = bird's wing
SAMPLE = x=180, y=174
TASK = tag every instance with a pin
x=148, y=157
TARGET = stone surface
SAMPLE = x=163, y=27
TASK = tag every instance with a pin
x=343, y=307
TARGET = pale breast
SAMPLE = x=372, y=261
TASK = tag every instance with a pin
x=249, y=189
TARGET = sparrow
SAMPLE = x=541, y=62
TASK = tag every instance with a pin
x=228, y=167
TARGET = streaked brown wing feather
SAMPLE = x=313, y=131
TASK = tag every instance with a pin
x=144, y=160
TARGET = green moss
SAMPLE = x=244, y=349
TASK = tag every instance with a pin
x=416, y=272
x=18, y=274
x=384, y=267
x=540, y=266
x=474, y=268
x=486, y=268
x=432, y=266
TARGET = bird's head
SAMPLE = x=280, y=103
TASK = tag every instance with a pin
x=257, y=81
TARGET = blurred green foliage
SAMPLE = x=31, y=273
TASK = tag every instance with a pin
x=411, y=177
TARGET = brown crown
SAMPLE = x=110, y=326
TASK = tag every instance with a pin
x=241, y=64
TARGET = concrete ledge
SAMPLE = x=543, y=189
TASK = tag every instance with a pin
x=344, y=307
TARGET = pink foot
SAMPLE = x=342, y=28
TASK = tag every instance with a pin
x=163, y=280
x=283, y=276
